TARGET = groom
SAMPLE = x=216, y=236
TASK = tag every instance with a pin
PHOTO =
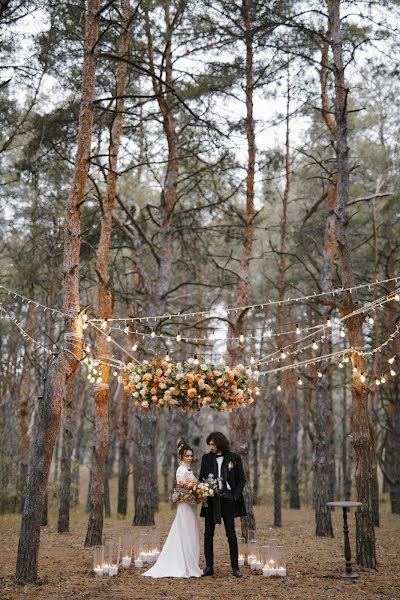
x=228, y=504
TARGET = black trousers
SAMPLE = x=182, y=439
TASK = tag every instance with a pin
x=228, y=518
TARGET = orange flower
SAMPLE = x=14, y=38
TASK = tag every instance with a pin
x=190, y=377
x=220, y=382
x=147, y=377
x=153, y=390
x=191, y=392
x=159, y=372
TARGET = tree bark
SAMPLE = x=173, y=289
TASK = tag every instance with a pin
x=101, y=389
x=123, y=463
x=63, y=365
x=362, y=429
x=67, y=447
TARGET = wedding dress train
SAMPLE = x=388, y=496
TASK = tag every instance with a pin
x=181, y=552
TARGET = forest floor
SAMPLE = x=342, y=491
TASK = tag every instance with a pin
x=314, y=564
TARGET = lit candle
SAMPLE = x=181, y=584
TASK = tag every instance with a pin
x=105, y=568
x=138, y=563
x=126, y=562
x=281, y=571
x=113, y=570
x=266, y=572
x=258, y=565
x=98, y=570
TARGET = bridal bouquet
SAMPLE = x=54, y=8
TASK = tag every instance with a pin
x=195, y=492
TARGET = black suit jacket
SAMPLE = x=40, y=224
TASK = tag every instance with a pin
x=233, y=475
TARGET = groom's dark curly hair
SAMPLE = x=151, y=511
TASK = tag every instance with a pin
x=220, y=440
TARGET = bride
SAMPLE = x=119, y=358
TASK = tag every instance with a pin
x=181, y=552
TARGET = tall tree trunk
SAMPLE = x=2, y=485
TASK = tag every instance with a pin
x=63, y=365
x=67, y=447
x=123, y=463
x=240, y=420
x=101, y=389
x=292, y=425
x=24, y=394
x=362, y=428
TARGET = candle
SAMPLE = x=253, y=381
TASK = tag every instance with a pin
x=266, y=572
x=281, y=571
x=151, y=557
x=241, y=561
x=105, y=568
x=258, y=565
x=126, y=562
x=113, y=570
x=98, y=570
x=139, y=563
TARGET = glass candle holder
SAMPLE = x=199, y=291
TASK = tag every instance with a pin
x=281, y=561
x=98, y=560
x=112, y=551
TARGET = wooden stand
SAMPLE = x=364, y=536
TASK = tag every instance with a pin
x=347, y=551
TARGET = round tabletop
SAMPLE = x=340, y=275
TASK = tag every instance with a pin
x=344, y=504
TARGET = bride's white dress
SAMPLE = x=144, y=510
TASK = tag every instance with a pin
x=181, y=552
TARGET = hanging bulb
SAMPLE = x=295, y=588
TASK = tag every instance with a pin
x=279, y=388
x=84, y=326
x=346, y=359
x=115, y=373
x=99, y=380
x=319, y=374
x=383, y=379
x=314, y=345
x=397, y=297
x=221, y=360
x=104, y=324
x=109, y=338
x=340, y=365
x=362, y=377
x=392, y=372
x=370, y=320
x=328, y=322
x=196, y=360
x=153, y=333
x=391, y=360
x=377, y=382
x=300, y=381
x=134, y=347
x=252, y=360
x=241, y=338
x=298, y=330
x=269, y=333
x=126, y=330
x=342, y=333
x=178, y=337
x=355, y=370
x=283, y=355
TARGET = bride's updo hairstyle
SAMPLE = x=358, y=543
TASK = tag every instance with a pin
x=182, y=448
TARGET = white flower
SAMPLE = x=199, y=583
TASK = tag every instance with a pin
x=144, y=404
x=145, y=362
x=143, y=392
x=240, y=391
x=204, y=367
x=139, y=385
x=137, y=377
x=179, y=376
x=135, y=394
x=162, y=385
x=131, y=378
x=168, y=372
x=210, y=476
x=179, y=366
x=240, y=366
x=190, y=361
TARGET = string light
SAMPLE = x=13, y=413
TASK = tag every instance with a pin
x=178, y=337
x=134, y=347
x=392, y=372
x=298, y=330
x=362, y=377
x=370, y=320
x=241, y=338
x=252, y=360
x=314, y=345
x=283, y=355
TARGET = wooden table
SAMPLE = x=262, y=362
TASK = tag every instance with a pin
x=347, y=552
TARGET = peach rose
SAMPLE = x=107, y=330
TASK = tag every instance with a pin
x=147, y=377
x=220, y=382
x=191, y=392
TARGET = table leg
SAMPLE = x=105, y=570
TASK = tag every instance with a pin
x=347, y=551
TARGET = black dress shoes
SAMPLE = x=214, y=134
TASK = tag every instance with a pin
x=207, y=572
x=237, y=573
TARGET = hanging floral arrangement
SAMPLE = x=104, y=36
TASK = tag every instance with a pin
x=189, y=385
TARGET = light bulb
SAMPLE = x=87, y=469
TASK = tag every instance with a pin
x=299, y=381
x=342, y=333
x=392, y=372
x=134, y=347
x=178, y=337
x=241, y=338
x=196, y=360
x=109, y=338
x=383, y=379
x=269, y=333
x=355, y=370
x=328, y=322
x=377, y=382
x=298, y=330
x=167, y=357
x=126, y=330
x=397, y=297
x=115, y=373
x=346, y=359
x=370, y=320
x=314, y=345
x=153, y=333
x=252, y=360
x=362, y=378
x=319, y=374
x=391, y=360
x=279, y=388
x=84, y=317
x=283, y=355
x=340, y=365
x=104, y=324
x=84, y=326
x=99, y=380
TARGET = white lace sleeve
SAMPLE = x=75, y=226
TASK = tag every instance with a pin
x=181, y=474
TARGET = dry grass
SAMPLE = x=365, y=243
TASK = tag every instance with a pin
x=314, y=565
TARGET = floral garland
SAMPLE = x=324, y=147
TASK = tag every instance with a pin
x=191, y=385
